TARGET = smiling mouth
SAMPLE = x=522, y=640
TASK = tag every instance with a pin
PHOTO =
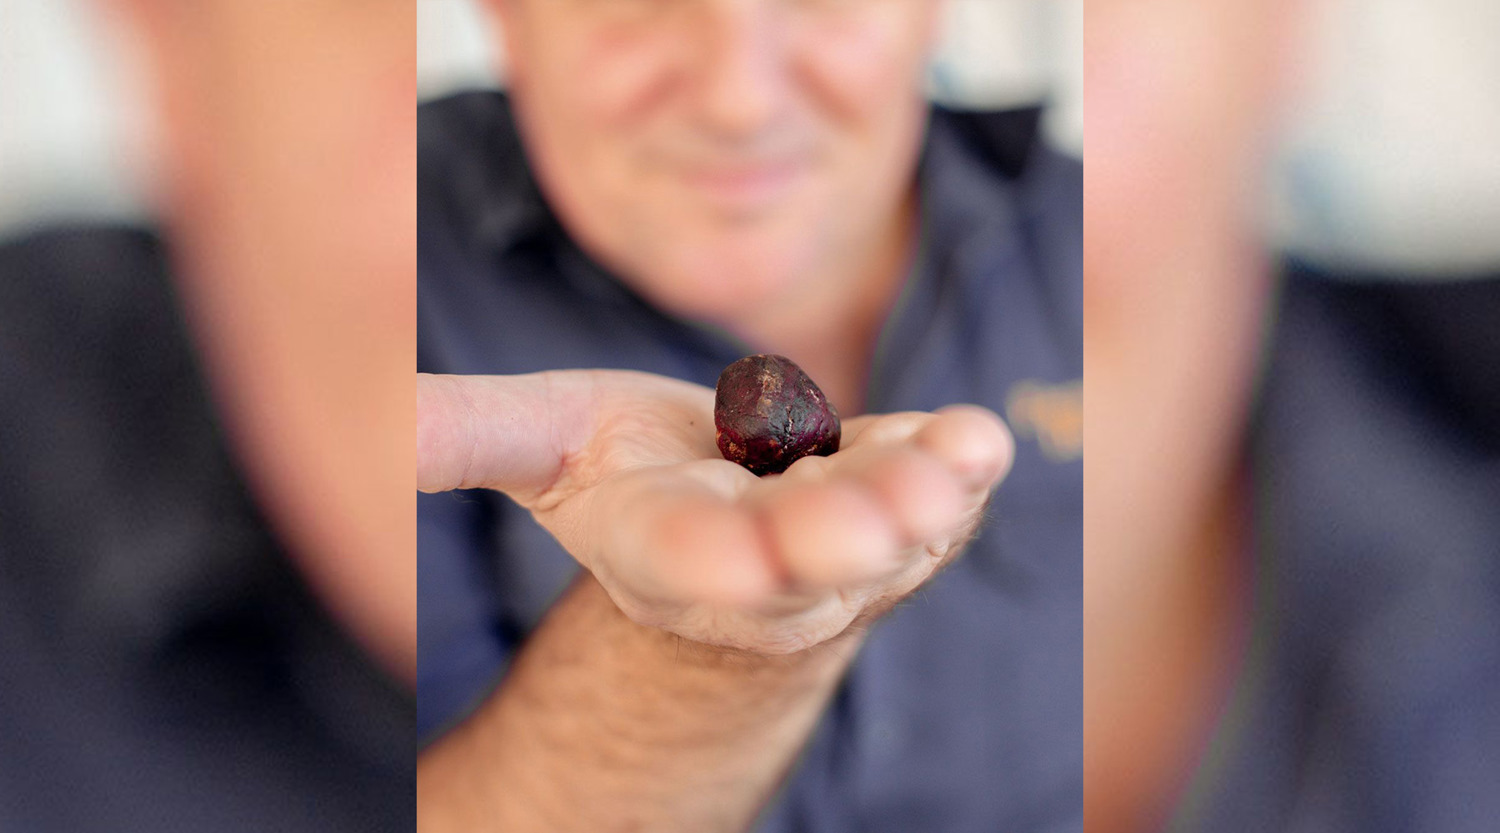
x=748, y=187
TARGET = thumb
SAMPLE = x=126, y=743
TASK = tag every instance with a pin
x=510, y=433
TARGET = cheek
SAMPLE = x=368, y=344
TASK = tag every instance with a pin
x=629, y=67
x=591, y=94
x=340, y=189
x=853, y=63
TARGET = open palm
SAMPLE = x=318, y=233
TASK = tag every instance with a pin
x=623, y=469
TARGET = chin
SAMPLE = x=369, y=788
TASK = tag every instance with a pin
x=721, y=284
x=720, y=275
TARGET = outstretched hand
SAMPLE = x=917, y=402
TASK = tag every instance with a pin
x=622, y=468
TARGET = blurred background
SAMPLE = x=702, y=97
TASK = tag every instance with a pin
x=71, y=139
x=70, y=116
x=205, y=570
x=1387, y=161
x=1292, y=292
x=1366, y=176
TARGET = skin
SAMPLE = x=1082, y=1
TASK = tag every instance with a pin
x=1174, y=297
x=287, y=179
x=745, y=163
x=672, y=686
x=748, y=163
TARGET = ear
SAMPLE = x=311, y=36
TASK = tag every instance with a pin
x=164, y=29
x=503, y=20
x=145, y=19
x=144, y=34
x=140, y=18
x=159, y=39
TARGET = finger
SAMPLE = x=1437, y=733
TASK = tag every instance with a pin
x=924, y=499
x=929, y=473
x=828, y=534
x=878, y=429
x=973, y=442
x=510, y=433
x=680, y=535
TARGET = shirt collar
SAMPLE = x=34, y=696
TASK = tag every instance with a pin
x=969, y=175
x=970, y=224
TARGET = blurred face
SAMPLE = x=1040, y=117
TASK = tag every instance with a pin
x=715, y=153
x=288, y=148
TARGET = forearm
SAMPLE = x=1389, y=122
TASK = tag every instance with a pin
x=603, y=724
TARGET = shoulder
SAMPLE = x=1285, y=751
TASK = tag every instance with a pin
x=994, y=173
x=100, y=256
x=99, y=378
x=96, y=342
x=1009, y=147
x=73, y=294
x=469, y=156
x=475, y=127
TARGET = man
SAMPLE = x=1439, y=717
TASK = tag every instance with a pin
x=207, y=594
x=667, y=187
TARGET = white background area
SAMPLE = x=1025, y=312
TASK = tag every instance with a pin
x=70, y=116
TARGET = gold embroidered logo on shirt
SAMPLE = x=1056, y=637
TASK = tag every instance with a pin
x=1050, y=414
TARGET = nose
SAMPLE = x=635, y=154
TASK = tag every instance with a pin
x=742, y=67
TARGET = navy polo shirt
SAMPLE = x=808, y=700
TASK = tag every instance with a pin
x=963, y=710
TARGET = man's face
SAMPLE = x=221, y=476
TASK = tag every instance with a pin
x=288, y=155
x=716, y=152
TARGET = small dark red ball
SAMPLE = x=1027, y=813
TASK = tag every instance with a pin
x=768, y=414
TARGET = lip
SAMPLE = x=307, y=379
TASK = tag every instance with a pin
x=746, y=187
